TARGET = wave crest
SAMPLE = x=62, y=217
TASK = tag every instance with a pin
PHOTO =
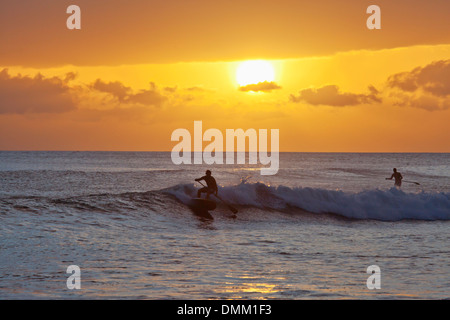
x=386, y=205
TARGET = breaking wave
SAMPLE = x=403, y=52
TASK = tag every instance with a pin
x=386, y=205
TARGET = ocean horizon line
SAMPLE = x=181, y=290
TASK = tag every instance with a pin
x=309, y=152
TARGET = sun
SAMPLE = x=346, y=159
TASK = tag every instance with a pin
x=254, y=71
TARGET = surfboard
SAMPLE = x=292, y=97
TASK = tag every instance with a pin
x=202, y=204
x=200, y=207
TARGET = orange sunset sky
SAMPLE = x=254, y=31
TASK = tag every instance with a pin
x=139, y=69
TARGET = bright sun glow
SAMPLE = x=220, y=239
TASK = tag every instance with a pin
x=254, y=71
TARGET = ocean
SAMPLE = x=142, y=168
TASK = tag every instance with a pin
x=309, y=232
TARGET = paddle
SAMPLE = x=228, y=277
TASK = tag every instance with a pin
x=412, y=182
x=407, y=181
x=233, y=209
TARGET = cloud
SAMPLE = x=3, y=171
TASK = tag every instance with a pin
x=208, y=30
x=424, y=87
x=260, y=87
x=422, y=101
x=331, y=96
x=147, y=97
x=171, y=89
x=433, y=78
x=38, y=94
x=116, y=88
x=199, y=89
x=102, y=100
x=125, y=95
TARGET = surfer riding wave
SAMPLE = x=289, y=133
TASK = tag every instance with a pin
x=211, y=187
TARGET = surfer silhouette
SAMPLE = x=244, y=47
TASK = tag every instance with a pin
x=398, y=178
x=211, y=185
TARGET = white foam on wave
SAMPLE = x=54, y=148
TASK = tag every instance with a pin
x=387, y=205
